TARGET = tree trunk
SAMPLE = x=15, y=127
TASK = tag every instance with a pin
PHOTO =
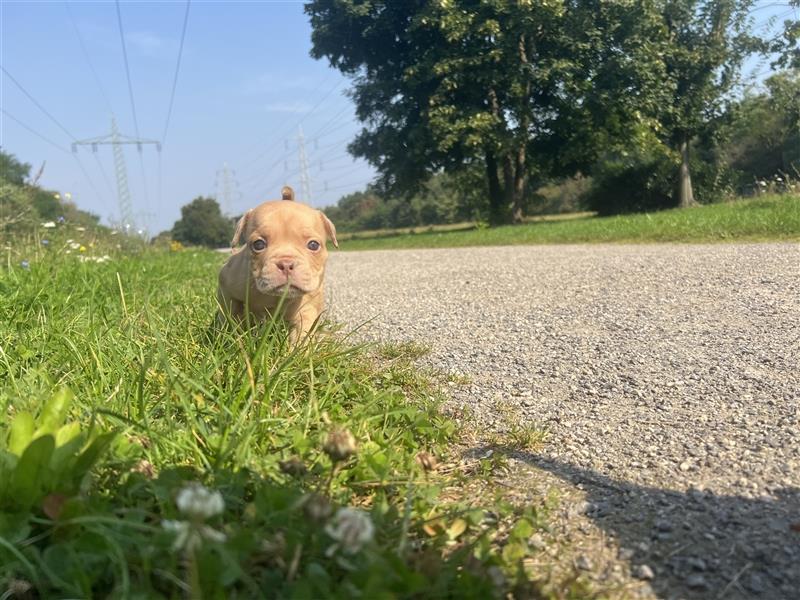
x=517, y=206
x=685, y=192
x=520, y=166
x=508, y=181
x=495, y=190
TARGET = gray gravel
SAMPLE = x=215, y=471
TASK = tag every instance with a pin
x=668, y=376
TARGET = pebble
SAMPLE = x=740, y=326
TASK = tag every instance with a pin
x=643, y=572
x=696, y=582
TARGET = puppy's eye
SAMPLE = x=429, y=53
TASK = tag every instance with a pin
x=259, y=245
x=313, y=245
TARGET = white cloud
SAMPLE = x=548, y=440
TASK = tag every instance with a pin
x=146, y=42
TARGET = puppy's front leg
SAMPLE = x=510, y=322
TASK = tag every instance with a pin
x=229, y=307
x=302, y=322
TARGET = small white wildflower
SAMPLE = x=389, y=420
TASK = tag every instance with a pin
x=762, y=183
x=198, y=502
x=74, y=245
x=779, y=179
x=80, y=229
x=69, y=241
x=49, y=224
x=190, y=536
x=350, y=528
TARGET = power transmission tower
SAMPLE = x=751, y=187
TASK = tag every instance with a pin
x=226, y=188
x=305, y=178
x=116, y=140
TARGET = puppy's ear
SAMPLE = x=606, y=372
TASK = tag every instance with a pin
x=330, y=229
x=241, y=229
x=287, y=193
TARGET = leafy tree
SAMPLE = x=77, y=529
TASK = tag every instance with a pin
x=763, y=138
x=203, y=224
x=519, y=89
x=13, y=171
x=706, y=43
x=787, y=44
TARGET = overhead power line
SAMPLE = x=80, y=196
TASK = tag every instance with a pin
x=177, y=71
x=269, y=151
x=88, y=59
x=34, y=132
x=39, y=106
x=127, y=69
x=133, y=102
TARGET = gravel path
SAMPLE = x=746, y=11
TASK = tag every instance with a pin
x=668, y=376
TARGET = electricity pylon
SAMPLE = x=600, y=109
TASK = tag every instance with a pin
x=226, y=189
x=116, y=140
x=305, y=178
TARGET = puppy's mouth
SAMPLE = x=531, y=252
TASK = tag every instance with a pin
x=289, y=289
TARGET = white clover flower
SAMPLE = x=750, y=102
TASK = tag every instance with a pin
x=350, y=528
x=198, y=502
x=49, y=224
x=190, y=536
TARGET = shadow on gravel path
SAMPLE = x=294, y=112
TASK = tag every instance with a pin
x=694, y=544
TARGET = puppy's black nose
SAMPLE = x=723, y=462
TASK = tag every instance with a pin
x=285, y=265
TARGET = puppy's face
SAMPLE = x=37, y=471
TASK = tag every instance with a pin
x=286, y=243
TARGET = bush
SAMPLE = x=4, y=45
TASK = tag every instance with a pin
x=642, y=184
x=565, y=196
x=202, y=224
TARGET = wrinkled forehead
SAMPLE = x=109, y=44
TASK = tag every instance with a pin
x=288, y=221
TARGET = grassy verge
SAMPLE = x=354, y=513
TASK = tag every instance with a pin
x=145, y=454
x=767, y=218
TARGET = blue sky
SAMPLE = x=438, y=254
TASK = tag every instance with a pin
x=246, y=85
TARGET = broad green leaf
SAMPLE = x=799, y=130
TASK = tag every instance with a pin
x=89, y=456
x=522, y=530
x=64, y=456
x=21, y=433
x=67, y=432
x=55, y=412
x=32, y=472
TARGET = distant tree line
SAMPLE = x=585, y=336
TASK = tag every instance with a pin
x=507, y=97
x=24, y=204
x=755, y=147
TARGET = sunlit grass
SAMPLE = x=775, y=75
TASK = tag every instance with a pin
x=134, y=340
x=762, y=219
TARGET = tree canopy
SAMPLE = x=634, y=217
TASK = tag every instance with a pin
x=528, y=90
x=202, y=224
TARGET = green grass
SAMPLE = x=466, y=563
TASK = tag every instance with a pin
x=116, y=392
x=768, y=218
